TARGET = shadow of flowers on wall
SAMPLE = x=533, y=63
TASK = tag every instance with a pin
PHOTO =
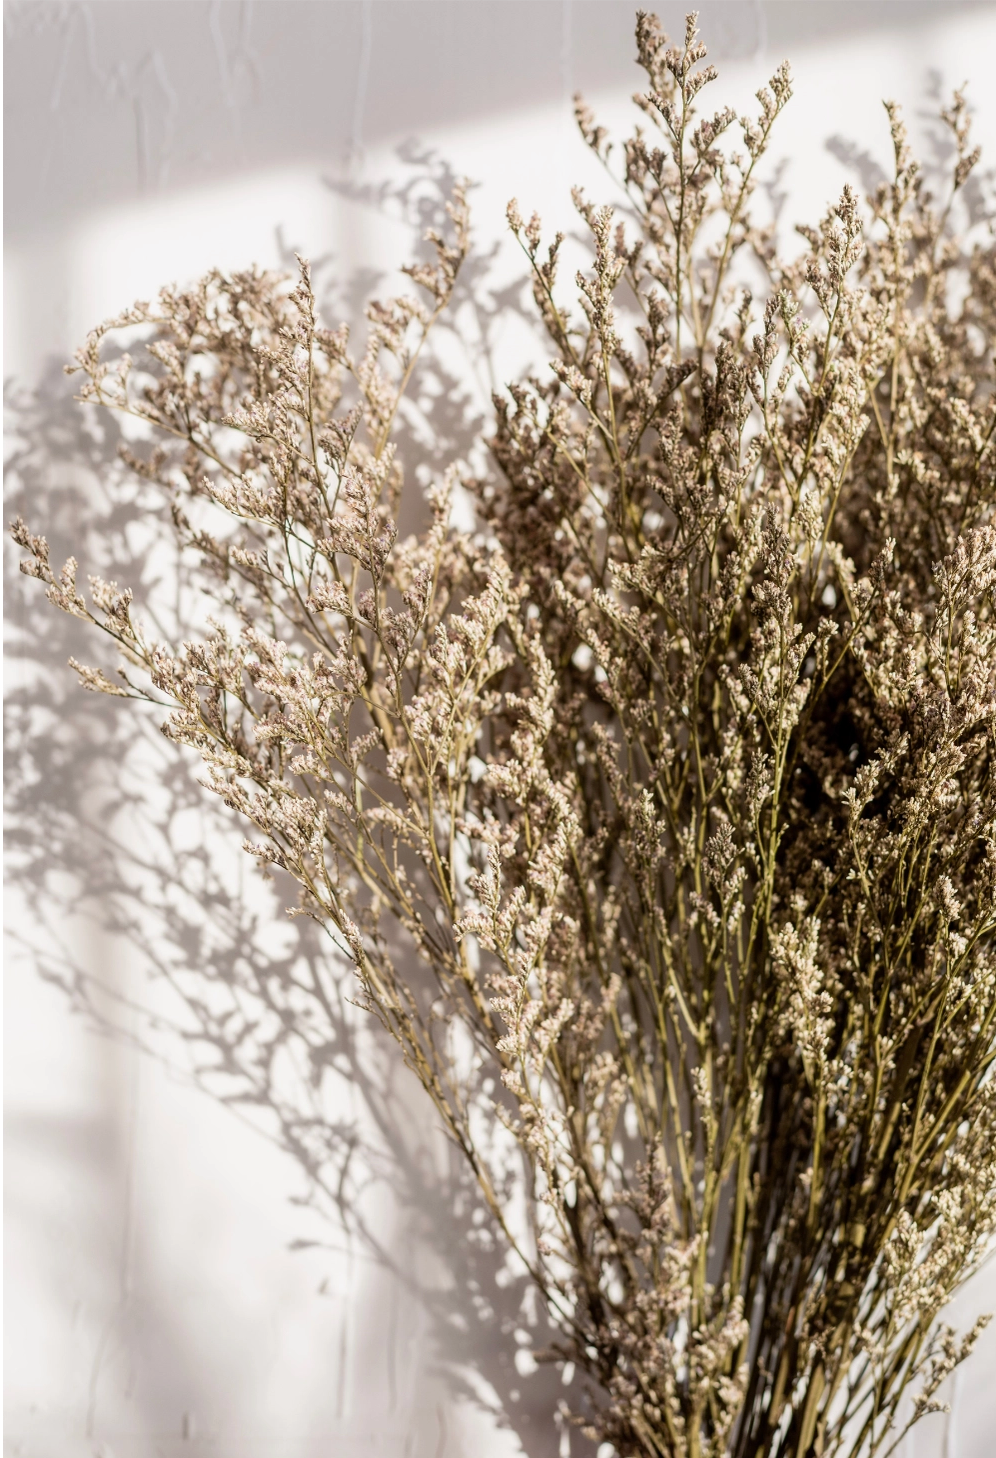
x=108, y=824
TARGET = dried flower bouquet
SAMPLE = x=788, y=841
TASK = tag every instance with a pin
x=676, y=773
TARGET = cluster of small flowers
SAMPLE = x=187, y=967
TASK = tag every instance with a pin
x=677, y=775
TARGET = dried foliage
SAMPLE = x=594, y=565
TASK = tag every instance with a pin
x=676, y=773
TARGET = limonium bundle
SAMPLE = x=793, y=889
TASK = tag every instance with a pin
x=675, y=771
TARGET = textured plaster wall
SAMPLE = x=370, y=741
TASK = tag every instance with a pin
x=185, y=1276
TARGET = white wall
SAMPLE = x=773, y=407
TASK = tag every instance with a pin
x=178, y=1281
